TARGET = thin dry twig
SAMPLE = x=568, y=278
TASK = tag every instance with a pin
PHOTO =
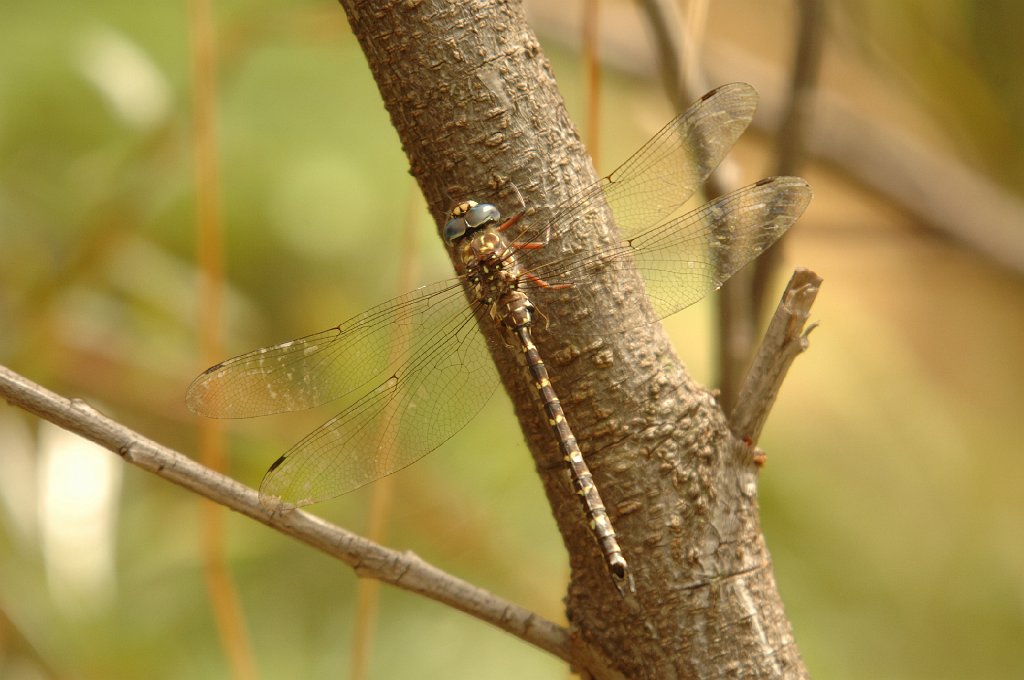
x=402, y=569
x=592, y=78
x=785, y=338
x=224, y=601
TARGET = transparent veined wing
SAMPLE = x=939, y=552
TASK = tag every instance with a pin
x=318, y=368
x=428, y=399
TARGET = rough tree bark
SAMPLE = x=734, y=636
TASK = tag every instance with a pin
x=476, y=107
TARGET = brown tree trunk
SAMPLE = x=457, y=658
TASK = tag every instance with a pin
x=475, y=104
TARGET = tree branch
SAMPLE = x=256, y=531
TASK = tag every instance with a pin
x=783, y=341
x=401, y=569
x=474, y=102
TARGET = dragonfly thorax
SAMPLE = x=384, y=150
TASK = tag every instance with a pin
x=490, y=266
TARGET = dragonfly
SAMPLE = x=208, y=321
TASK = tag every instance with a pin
x=416, y=369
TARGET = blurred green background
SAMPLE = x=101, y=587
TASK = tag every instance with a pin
x=892, y=498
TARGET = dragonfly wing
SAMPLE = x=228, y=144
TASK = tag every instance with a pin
x=686, y=258
x=303, y=373
x=673, y=164
x=664, y=173
x=444, y=384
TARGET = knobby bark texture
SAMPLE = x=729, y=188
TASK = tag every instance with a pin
x=475, y=104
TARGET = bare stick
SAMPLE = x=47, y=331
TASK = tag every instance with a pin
x=402, y=569
x=785, y=338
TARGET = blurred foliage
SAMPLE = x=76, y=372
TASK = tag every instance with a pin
x=891, y=499
x=957, y=58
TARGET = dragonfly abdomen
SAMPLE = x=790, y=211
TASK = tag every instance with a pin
x=582, y=479
x=492, y=268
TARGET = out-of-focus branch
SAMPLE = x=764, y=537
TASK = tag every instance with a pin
x=402, y=569
x=798, y=105
x=224, y=601
x=683, y=82
x=794, y=129
x=931, y=186
x=592, y=78
x=741, y=298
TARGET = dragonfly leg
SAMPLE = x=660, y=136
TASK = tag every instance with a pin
x=541, y=283
x=511, y=221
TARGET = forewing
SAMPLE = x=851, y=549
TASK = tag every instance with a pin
x=665, y=172
x=303, y=373
x=685, y=258
x=441, y=388
x=688, y=257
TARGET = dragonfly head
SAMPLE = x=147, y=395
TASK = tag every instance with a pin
x=468, y=216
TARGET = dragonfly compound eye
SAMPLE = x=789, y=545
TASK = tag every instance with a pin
x=468, y=216
x=481, y=214
x=455, y=229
